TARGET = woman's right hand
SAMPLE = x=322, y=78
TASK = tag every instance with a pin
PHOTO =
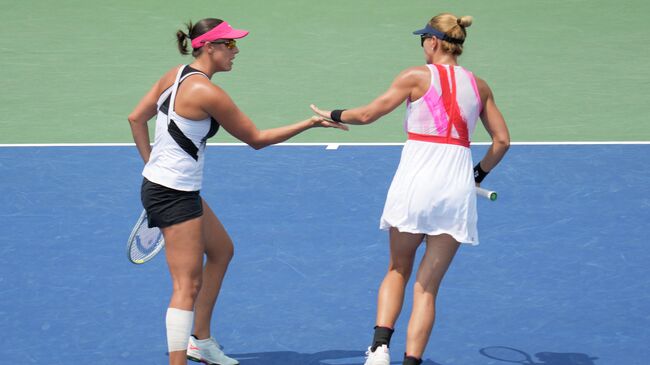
x=323, y=113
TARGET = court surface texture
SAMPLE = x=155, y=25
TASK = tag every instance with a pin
x=560, y=274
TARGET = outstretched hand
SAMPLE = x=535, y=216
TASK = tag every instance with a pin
x=319, y=121
x=323, y=113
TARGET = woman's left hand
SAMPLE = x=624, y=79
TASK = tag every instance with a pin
x=319, y=121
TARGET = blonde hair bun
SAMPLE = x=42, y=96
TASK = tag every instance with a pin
x=465, y=21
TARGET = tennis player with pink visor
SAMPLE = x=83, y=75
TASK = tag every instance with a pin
x=189, y=109
x=221, y=31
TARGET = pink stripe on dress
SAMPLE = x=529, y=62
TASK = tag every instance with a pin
x=440, y=119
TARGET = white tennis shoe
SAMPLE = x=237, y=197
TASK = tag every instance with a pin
x=208, y=351
x=381, y=356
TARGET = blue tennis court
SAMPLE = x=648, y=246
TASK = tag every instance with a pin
x=561, y=273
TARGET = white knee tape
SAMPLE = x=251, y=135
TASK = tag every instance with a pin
x=179, y=328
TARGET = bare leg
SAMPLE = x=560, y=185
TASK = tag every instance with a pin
x=437, y=258
x=391, y=292
x=184, y=248
x=219, y=250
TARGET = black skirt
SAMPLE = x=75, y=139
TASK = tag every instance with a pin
x=166, y=206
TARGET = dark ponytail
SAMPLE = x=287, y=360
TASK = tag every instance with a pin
x=194, y=30
x=183, y=39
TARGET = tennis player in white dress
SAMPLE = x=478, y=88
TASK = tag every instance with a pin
x=432, y=196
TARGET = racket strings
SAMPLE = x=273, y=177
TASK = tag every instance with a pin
x=144, y=242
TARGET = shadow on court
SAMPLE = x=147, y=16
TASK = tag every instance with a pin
x=512, y=355
x=339, y=357
x=330, y=357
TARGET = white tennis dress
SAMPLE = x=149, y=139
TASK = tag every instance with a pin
x=433, y=190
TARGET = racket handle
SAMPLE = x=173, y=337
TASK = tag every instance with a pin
x=488, y=194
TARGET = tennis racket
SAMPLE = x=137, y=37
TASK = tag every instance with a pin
x=144, y=242
x=485, y=193
x=507, y=354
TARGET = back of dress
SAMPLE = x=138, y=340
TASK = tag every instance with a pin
x=449, y=109
x=433, y=191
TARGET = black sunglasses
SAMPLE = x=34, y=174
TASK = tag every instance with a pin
x=423, y=37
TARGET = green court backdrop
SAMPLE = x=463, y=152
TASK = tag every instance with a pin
x=561, y=70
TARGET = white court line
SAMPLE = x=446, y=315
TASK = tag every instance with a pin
x=328, y=145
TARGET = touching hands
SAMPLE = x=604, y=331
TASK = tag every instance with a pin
x=320, y=121
x=323, y=113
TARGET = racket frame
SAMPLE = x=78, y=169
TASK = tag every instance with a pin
x=134, y=232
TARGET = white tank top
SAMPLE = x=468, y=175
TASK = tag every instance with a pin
x=177, y=156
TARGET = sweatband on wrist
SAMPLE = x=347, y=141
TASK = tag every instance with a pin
x=479, y=173
x=335, y=115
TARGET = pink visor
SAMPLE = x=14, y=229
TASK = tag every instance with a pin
x=221, y=31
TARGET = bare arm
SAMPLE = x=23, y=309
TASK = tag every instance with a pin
x=495, y=125
x=404, y=85
x=142, y=113
x=221, y=107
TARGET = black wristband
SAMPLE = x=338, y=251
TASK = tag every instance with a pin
x=335, y=115
x=479, y=173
